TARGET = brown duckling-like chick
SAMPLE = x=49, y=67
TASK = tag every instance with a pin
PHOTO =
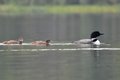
x=41, y=43
x=19, y=41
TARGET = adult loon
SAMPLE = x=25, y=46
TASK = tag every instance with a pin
x=89, y=42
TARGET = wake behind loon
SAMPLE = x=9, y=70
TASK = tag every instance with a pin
x=88, y=42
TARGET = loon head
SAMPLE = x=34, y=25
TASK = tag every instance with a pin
x=20, y=40
x=47, y=42
x=95, y=34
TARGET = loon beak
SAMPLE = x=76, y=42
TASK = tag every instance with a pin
x=101, y=33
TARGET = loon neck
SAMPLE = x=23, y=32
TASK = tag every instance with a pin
x=96, y=42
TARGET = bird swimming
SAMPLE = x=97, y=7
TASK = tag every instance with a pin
x=41, y=43
x=88, y=42
x=19, y=41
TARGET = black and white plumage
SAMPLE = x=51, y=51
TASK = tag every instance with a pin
x=88, y=42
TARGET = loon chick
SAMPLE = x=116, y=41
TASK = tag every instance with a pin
x=87, y=42
x=19, y=41
x=41, y=43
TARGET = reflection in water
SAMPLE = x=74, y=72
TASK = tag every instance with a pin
x=106, y=65
x=60, y=65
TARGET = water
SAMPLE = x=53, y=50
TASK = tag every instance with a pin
x=69, y=27
x=60, y=62
x=60, y=65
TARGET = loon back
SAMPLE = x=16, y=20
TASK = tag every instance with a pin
x=83, y=41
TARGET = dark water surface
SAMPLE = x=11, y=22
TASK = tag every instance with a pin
x=59, y=65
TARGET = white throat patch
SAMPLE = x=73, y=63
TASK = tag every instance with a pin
x=96, y=42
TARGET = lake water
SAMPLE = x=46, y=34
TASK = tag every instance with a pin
x=55, y=62
x=60, y=65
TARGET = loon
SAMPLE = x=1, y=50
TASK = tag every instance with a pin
x=19, y=41
x=89, y=42
x=41, y=43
